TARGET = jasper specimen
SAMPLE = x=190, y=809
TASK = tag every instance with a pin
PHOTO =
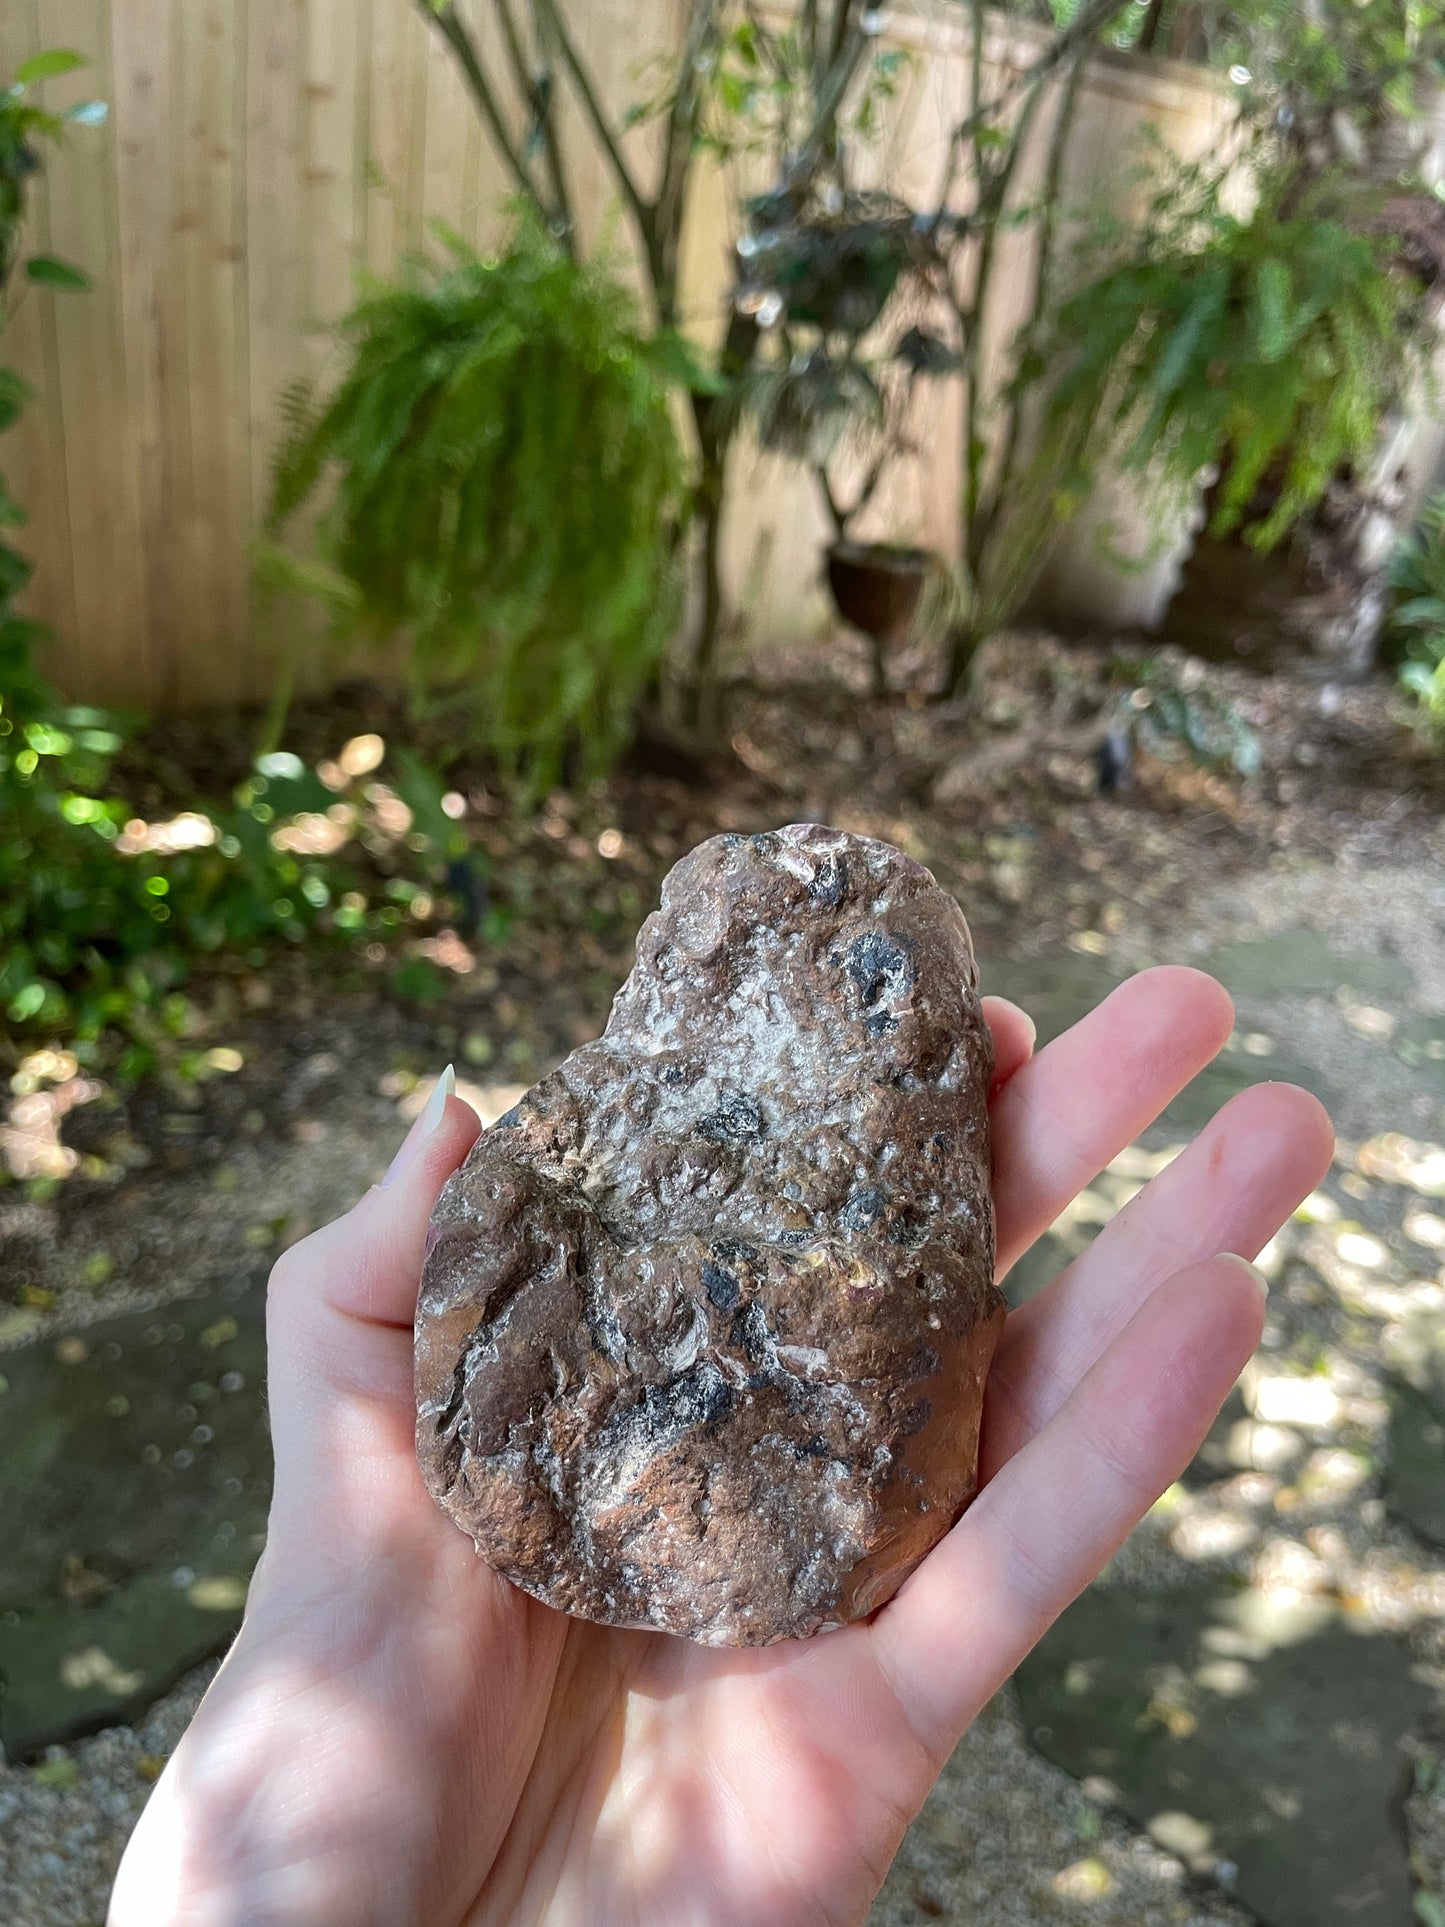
x=705, y=1319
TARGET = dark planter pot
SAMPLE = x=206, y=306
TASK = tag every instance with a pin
x=877, y=587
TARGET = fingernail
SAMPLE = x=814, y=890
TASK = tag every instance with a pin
x=1260, y=1281
x=431, y=1116
x=1021, y=1015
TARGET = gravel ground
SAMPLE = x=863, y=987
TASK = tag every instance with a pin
x=1006, y=1840
x=64, y=1821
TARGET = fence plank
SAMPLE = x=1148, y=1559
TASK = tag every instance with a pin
x=212, y=234
x=396, y=131
x=83, y=227
x=32, y=454
x=447, y=118
x=333, y=206
x=152, y=345
x=276, y=243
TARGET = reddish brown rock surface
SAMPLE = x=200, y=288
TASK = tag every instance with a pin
x=705, y=1319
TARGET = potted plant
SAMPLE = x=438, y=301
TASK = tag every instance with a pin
x=836, y=388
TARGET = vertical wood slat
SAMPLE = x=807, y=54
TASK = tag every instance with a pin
x=216, y=515
x=141, y=105
x=276, y=243
x=330, y=207
x=82, y=227
x=32, y=454
x=447, y=113
x=396, y=88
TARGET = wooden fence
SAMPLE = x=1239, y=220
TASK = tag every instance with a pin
x=261, y=153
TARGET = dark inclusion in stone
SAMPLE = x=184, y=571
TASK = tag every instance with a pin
x=721, y=1286
x=704, y=1350
x=737, y=1119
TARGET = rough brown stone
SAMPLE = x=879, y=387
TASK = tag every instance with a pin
x=705, y=1319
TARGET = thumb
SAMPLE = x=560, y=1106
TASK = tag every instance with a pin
x=367, y=1265
x=340, y=1304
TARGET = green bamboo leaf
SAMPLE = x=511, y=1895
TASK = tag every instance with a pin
x=50, y=273
x=48, y=66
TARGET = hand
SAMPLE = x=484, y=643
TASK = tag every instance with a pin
x=398, y=1735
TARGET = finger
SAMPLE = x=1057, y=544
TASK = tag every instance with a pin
x=339, y=1312
x=1230, y=1191
x=1014, y=1032
x=340, y=1304
x=1058, y=1511
x=367, y=1264
x=1085, y=1096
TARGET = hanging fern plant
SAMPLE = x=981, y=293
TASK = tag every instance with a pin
x=1269, y=347
x=501, y=483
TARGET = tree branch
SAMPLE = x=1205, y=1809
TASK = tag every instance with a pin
x=1043, y=267
x=537, y=95
x=836, y=82
x=639, y=207
x=837, y=515
x=453, y=29
x=1149, y=32
x=808, y=28
x=682, y=124
x=841, y=13
x=1079, y=32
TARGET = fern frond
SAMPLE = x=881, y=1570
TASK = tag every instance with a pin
x=503, y=484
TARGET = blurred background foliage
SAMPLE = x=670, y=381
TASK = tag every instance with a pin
x=507, y=490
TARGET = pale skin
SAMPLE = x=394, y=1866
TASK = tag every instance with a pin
x=400, y=1736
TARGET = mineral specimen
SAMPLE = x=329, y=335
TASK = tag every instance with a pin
x=705, y=1320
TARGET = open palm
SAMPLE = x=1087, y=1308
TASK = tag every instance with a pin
x=401, y=1736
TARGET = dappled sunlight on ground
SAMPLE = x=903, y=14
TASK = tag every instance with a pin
x=1289, y=1555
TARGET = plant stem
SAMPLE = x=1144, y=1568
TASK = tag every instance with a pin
x=808, y=32
x=1081, y=30
x=850, y=44
x=837, y=514
x=670, y=206
x=279, y=708
x=455, y=32
x=534, y=81
x=639, y=207
x=1043, y=270
x=983, y=505
x=1149, y=31
x=702, y=697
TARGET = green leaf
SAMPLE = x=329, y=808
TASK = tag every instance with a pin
x=419, y=981
x=1422, y=612
x=14, y=393
x=1271, y=289
x=421, y=790
x=48, y=66
x=50, y=273
x=678, y=361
